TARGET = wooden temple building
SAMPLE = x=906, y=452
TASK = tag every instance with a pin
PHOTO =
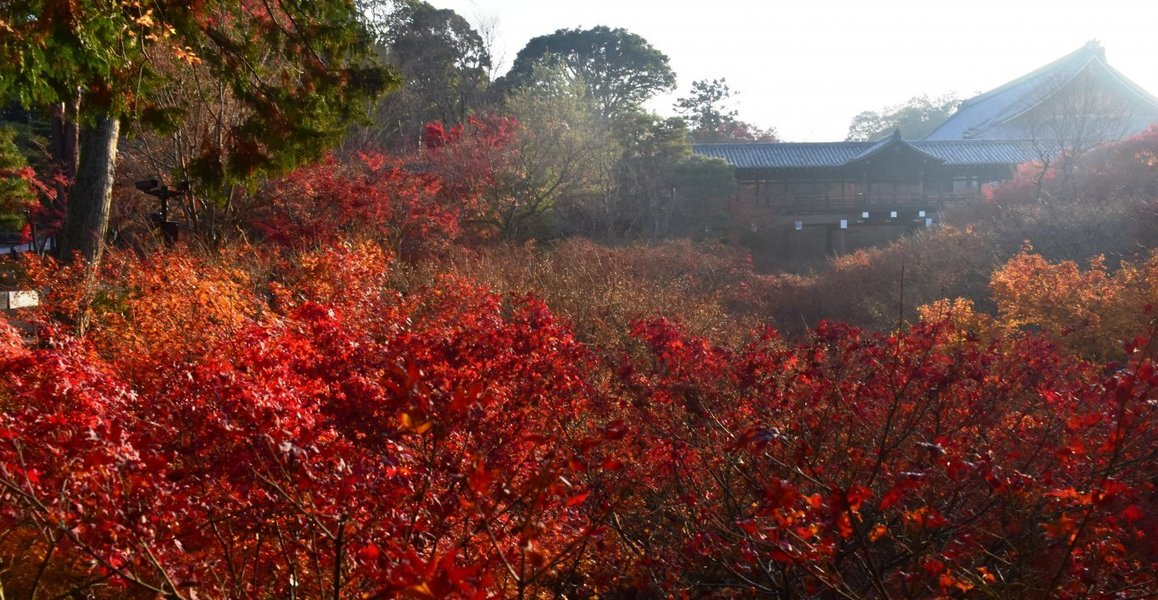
x=1073, y=103
x=813, y=179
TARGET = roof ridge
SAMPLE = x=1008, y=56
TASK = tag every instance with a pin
x=1088, y=51
x=997, y=108
x=835, y=155
x=1134, y=87
x=781, y=144
x=894, y=139
x=1098, y=58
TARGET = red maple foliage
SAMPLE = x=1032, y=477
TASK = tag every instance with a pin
x=471, y=158
x=328, y=420
x=320, y=450
x=1117, y=171
x=922, y=463
x=376, y=196
x=333, y=437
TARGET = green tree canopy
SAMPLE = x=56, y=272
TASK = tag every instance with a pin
x=652, y=147
x=564, y=155
x=704, y=106
x=15, y=193
x=710, y=120
x=620, y=69
x=703, y=187
x=915, y=118
x=301, y=70
x=444, y=64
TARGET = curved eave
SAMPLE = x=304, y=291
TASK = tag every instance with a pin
x=893, y=142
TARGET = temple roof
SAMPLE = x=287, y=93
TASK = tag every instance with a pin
x=815, y=155
x=992, y=115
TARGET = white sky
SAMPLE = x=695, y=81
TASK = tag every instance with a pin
x=807, y=67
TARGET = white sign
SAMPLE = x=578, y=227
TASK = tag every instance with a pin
x=19, y=299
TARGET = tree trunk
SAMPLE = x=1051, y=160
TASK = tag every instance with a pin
x=65, y=136
x=88, y=204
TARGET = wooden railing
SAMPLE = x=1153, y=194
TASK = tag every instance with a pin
x=818, y=203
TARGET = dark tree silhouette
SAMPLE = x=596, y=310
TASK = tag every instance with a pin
x=620, y=68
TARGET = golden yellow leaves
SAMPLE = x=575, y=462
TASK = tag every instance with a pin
x=143, y=24
x=1088, y=310
x=186, y=55
x=409, y=423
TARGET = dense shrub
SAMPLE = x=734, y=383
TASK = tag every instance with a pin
x=1088, y=312
x=302, y=427
x=375, y=196
x=602, y=290
x=880, y=288
x=358, y=406
x=925, y=463
x=416, y=442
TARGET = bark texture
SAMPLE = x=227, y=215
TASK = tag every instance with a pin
x=65, y=137
x=87, y=220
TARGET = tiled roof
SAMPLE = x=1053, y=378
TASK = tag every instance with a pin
x=882, y=144
x=762, y=155
x=990, y=115
x=836, y=154
x=980, y=152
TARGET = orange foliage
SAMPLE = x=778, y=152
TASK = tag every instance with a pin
x=960, y=312
x=1089, y=311
x=171, y=304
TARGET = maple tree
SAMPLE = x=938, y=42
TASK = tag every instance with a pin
x=301, y=68
x=319, y=449
x=475, y=160
x=297, y=424
x=1117, y=170
x=1076, y=207
x=1088, y=311
x=551, y=156
x=372, y=196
